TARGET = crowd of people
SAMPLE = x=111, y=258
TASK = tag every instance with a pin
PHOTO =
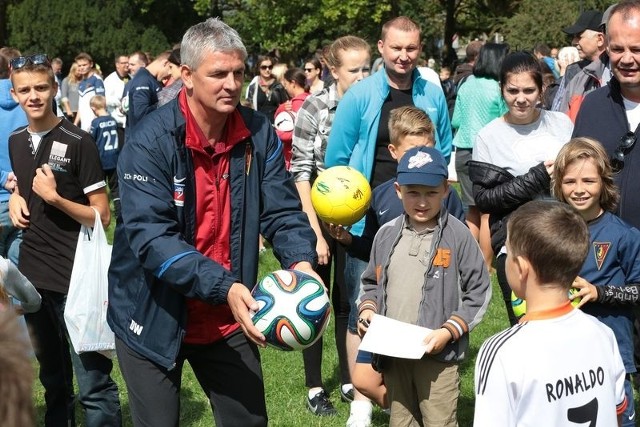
x=200, y=172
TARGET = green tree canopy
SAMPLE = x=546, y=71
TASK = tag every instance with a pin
x=103, y=28
x=295, y=28
x=543, y=21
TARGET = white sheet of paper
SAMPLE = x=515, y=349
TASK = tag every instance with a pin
x=394, y=338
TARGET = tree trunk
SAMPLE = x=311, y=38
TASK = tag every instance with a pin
x=215, y=9
x=449, y=55
x=4, y=35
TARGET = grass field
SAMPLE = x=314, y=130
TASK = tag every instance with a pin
x=284, y=378
x=284, y=381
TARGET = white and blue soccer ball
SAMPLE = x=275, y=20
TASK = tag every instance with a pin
x=294, y=309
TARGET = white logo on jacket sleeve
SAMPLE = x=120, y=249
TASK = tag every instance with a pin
x=135, y=177
x=137, y=329
x=419, y=159
x=178, y=191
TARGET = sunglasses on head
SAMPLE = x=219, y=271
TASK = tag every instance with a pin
x=627, y=141
x=22, y=61
x=266, y=67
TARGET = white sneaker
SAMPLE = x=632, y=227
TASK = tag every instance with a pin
x=359, y=420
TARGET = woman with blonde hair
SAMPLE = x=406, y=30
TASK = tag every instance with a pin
x=348, y=60
x=70, y=94
x=278, y=71
x=567, y=56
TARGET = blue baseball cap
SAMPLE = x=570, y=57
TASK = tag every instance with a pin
x=422, y=166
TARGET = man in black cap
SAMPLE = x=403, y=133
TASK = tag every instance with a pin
x=586, y=34
x=591, y=71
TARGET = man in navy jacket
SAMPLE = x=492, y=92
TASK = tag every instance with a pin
x=144, y=87
x=610, y=115
x=201, y=178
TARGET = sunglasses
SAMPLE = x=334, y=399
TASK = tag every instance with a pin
x=266, y=67
x=308, y=70
x=627, y=141
x=22, y=61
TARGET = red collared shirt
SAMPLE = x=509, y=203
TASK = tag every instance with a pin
x=208, y=323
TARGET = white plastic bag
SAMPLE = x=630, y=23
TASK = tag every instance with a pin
x=85, y=312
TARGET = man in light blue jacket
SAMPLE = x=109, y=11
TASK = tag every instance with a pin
x=360, y=136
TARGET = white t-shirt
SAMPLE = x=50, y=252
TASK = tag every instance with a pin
x=517, y=148
x=563, y=370
x=113, y=87
x=87, y=88
x=633, y=113
x=430, y=75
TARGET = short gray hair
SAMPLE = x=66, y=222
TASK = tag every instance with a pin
x=212, y=35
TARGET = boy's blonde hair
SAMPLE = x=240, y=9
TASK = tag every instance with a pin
x=581, y=149
x=409, y=120
x=553, y=237
x=98, y=102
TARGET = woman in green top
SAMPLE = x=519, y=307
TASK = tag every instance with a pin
x=478, y=102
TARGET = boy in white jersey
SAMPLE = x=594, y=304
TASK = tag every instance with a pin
x=90, y=85
x=558, y=366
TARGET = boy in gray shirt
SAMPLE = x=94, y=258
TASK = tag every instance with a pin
x=425, y=269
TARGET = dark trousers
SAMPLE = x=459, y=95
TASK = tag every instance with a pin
x=504, y=287
x=111, y=176
x=636, y=348
x=228, y=371
x=312, y=356
x=97, y=392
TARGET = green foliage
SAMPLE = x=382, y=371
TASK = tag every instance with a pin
x=297, y=29
x=101, y=28
x=543, y=21
x=294, y=29
x=483, y=17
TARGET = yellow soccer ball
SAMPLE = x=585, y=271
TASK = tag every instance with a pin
x=575, y=301
x=341, y=195
x=518, y=305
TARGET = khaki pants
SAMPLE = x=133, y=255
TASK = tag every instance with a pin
x=422, y=392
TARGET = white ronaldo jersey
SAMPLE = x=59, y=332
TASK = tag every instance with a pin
x=561, y=369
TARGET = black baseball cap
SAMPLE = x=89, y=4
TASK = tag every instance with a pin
x=588, y=20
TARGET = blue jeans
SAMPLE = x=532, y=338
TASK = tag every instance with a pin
x=10, y=239
x=10, y=236
x=353, y=269
x=98, y=393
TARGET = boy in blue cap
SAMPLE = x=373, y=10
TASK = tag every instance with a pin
x=425, y=269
